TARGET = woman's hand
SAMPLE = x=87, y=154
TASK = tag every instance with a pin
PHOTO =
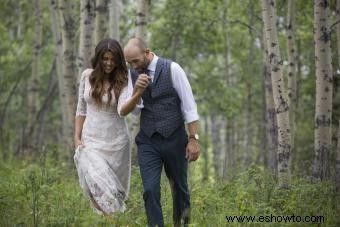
x=139, y=91
x=77, y=142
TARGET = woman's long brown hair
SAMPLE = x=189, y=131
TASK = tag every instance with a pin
x=117, y=78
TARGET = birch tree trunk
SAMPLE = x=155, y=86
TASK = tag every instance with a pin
x=229, y=155
x=324, y=88
x=33, y=83
x=68, y=29
x=270, y=116
x=279, y=93
x=142, y=18
x=46, y=105
x=291, y=89
x=205, y=172
x=216, y=145
x=247, y=159
x=87, y=13
x=53, y=5
x=337, y=165
x=101, y=20
x=140, y=32
x=115, y=11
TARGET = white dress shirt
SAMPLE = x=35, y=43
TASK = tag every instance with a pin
x=180, y=83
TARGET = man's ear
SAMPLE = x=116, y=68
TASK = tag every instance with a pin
x=147, y=50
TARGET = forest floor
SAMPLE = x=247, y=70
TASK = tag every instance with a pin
x=47, y=193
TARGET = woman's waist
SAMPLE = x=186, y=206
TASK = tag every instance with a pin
x=105, y=112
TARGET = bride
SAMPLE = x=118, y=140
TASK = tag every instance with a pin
x=101, y=137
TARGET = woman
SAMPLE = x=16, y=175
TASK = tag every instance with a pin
x=101, y=136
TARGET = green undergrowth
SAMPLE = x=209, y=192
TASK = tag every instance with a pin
x=48, y=194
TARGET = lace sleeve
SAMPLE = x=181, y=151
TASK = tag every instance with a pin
x=124, y=96
x=81, y=106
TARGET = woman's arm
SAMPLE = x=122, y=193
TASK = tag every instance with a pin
x=78, y=128
x=81, y=109
x=127, y=101
x=131, y=103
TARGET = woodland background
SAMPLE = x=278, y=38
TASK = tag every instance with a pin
x=266, y=78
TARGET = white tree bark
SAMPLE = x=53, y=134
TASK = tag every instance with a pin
x=324, y=90
x=291, y=66
x=229, y=125
x=205, y=156
x=33, y=83
x=101, y=21
x=115, y=11
x=68, y=30
x=142, y=18
x=249, y=128
x=337, y=165
x=87, y=15
x=279, y=93
x=134, y=121
x=53, y=5
x=216, y=145
x=270, y=116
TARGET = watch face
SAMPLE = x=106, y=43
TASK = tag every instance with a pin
x=195, y=136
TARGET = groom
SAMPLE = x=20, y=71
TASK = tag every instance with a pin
x=166, y=104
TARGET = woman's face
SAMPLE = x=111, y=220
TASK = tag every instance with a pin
x=108, y=62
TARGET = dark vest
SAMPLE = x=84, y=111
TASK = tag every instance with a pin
x=162, y=106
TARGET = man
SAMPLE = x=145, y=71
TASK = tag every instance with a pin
x=167, y=102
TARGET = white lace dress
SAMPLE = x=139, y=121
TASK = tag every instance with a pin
x=103, y=159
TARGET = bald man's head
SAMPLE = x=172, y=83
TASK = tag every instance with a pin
x=137, y=54
x=136, y=43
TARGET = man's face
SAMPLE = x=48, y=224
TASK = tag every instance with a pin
x=138, y=60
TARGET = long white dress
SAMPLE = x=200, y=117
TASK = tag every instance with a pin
x=103, y=160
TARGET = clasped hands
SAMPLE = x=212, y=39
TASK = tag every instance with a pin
x=142, y=82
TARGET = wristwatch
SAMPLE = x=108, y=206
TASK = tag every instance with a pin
x=195, y=137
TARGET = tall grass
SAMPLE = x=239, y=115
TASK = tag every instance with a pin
x=47, y=193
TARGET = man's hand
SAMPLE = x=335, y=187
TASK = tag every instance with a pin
x=142, y=82
x=192, y=150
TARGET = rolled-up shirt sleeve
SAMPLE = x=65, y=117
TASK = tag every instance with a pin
x=182, y=86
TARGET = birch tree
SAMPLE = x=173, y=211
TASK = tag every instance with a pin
x=324, y=88
x=337, y=165
x=33, y=83
x=205, y=172
x=216, y=145
x=56, y=30
x=270, y=116
x=229, y=160
x=140, y=32
x=68, y=29
x=87, y=12
x=141, y=19
x=279, y=93
x=101, y=20
x=291, y=53
x=248, y=129
x=115, y=11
